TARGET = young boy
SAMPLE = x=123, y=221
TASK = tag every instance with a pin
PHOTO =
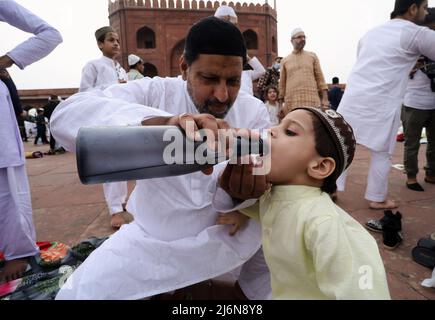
x=41, y=127
x=100, y=74
x=105, y=71
x=313, y=248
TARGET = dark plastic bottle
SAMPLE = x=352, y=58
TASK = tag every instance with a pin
x=113, y=154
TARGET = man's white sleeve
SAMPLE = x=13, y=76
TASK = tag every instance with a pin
x=118, y=105
x=258, y=68
x=35, y=48
x=426, y=43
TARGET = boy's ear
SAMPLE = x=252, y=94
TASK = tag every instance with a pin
x=321, y=168
x=183, y=67
x=100, y=45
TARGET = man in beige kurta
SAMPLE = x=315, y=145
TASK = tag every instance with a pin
x=302, y=82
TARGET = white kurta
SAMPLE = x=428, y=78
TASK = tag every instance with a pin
x=101, y=73
x=133, y=74
x=17, y=234
x=248, y=76
x=376, y=86
x=173, y=241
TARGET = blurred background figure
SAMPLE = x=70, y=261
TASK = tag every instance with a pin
x=335, y=93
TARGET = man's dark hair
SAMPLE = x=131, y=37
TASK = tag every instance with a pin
x=402, y=6
x=135, y=65
x=335, y=80
x=325, y=147
x=212, y=35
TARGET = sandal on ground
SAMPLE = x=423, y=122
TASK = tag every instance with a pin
x=386, y=205
x=415, y=187
x=429, y=181
x=374, y=225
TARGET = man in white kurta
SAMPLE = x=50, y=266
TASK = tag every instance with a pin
x=100, y=74
x=375, y=89
x=17, y=233
x=174, y=241
x=227, y=13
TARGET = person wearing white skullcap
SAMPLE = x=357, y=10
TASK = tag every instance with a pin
x=137, y=67
x=248, y=76
x=226, y=13
x=302, y=80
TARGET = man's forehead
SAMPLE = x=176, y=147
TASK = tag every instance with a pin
x=298, y=35
x=218, y=65
x=219, y=59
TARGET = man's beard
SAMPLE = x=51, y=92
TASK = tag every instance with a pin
x=205, y=108
x=419, y=21
x=300, y=47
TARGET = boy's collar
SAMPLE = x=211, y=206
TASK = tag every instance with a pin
x=294, y=192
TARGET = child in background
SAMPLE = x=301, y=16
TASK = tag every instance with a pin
x=41, y=127
x=272, y=104
x=313, y=248
x=100, y=74
x=105, y=71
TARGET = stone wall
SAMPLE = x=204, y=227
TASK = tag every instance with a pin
x=170, y=21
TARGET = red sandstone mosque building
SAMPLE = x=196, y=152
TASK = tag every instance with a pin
x=155, y=31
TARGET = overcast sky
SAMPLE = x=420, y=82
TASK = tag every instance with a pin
x=333, y=29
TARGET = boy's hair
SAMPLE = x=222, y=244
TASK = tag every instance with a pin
x=100, y=34
x=325, y=148
x=334, y=138
x=402, y=6
x=335, y=80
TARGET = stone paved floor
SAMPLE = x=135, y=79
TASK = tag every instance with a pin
x=67, y=211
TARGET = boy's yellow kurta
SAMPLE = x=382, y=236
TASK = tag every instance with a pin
x=315, y=250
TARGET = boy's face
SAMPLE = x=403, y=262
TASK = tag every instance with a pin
x=110, y=47
x=141, y=67
x=292, y=149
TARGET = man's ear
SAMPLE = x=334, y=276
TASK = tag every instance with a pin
x=321, y=168
x=413, y=9
x=183, y=68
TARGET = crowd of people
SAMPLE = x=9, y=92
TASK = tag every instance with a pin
x=281, y=234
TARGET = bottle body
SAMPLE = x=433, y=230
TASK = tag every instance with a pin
x=113, y=154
